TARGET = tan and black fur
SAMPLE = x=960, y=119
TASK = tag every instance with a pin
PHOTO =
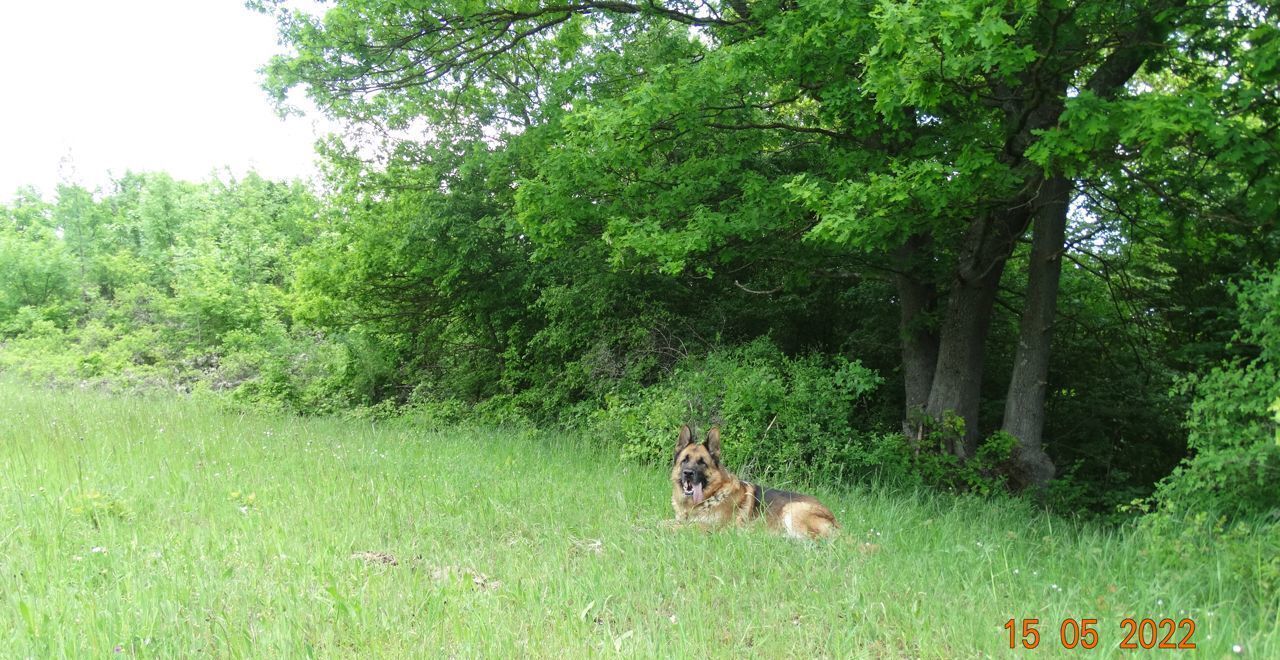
x=704, y=492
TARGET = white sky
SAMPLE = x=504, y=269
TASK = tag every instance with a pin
x=140, y=85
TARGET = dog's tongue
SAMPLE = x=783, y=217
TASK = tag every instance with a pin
x=697, y=493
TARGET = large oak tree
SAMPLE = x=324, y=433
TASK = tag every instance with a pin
x=919, y=141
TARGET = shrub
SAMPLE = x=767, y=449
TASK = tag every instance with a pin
x=288, y=370
x=779, y=415
x=986, y=473
x=1223, y=502
x=1232, y=427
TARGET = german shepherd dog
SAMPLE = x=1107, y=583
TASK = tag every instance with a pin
x=705, y=493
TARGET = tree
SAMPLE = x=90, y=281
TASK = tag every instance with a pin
x=920, y=141
x=34, y=265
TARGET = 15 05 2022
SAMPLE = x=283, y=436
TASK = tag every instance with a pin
x=1083, y=633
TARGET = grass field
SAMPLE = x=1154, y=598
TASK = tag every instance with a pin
x=162, y=527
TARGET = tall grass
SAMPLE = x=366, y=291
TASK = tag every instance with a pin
x=163, y=527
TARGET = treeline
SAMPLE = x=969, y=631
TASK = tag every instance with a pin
x=1028, y=219
x=1018, y=247
x=416, y=303
x=160, y=283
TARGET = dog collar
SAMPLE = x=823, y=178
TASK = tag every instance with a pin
x=714, y=499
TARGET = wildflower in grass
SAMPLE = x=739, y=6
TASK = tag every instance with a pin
x=243, y=501
x=1237, y=648
x=97, y=549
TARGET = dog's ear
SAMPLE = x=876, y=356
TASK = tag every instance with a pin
x=713, y=443
x=685, y=439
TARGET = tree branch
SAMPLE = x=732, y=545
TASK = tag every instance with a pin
x=761, y=293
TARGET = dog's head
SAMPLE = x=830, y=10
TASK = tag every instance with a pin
x=696, y=469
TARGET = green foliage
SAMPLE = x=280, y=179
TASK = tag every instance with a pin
x=1224, y=497
x=294, y=370
x=926, y=458
x=778, y=415
x=1232, y=425
x=627, y=215
x=166, y=284
x=602, y=181
x=620, y=217
x=1114, y=421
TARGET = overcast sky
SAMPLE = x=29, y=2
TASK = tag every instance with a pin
x=141, y=85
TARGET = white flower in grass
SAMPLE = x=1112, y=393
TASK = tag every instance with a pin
x=97, y=549
x=1237, y=648
x=1015, y=571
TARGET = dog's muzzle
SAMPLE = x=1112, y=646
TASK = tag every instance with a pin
x=691, y=485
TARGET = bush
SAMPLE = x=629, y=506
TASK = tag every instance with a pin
x=1232, y=427
x=986, y=473
x=779, y=415
x=287, y=370
x=1223, y=502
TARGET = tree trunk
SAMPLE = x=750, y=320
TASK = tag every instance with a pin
x=917, y=300
x=957, y=380
x=1024, y=411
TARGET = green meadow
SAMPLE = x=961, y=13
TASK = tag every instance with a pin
x=165, y=526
